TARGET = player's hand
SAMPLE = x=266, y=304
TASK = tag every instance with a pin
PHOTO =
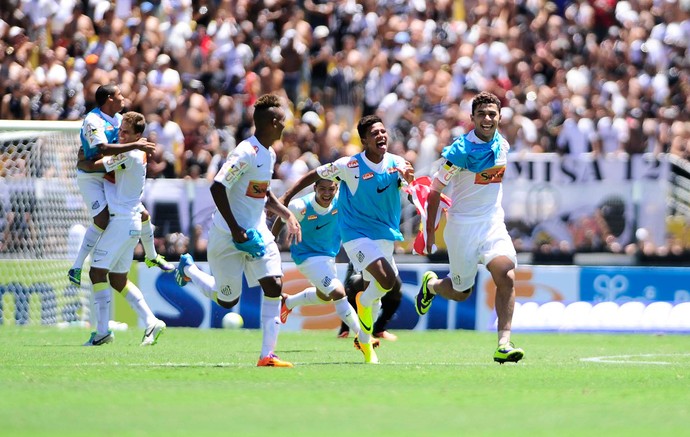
x=407, y=172
x=145, y=145
x=294, y=230
x=254, y=245
x=431, y=243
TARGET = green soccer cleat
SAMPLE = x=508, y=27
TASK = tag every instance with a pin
x=423, y=301
x=364, y=314
x=152, y=333
x=367, y=350
x=508, y=353
x=100, y=340
x=74, y=276
x=160, y=262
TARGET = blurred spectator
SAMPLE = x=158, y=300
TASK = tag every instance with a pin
x=169, y=140
x=15, y=104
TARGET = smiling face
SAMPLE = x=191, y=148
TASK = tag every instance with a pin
x=325, y=192
x=486, y=118
x=376, y=142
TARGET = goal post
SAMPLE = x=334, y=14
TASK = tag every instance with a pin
x=42, y=220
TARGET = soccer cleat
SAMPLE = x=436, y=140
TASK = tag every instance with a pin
x=100, y=340
x=180, y=276
x=364, y=314
x=423, y=301
x=367, y=350
x=343, y=334
x=152, y=332
x=386, y=336
x=375, y=342
x=272, y=360
x=160, y=262
x=284, y=310
x=508, y=353
x=74, y=276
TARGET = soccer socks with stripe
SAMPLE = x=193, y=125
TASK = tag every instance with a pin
x=304, y=298
x=102, y=295
x=347, y=314
x=147, y=239
x=91, y=237
x=373, y=293
x=270, y=324
x=135, y=298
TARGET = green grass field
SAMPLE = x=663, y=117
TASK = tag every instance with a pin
x=204, y=382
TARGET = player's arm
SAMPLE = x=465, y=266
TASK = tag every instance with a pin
x=115, y=149
x=441, y=179
x=294, y=229
x=239, y=234
x=308, y=179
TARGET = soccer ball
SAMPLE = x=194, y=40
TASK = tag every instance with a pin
x=232, y=321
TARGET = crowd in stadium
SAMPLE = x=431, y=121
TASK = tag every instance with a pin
x=607, y=76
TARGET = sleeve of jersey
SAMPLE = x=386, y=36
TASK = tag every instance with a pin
x=332, y=171
x=94, y=134
x=235, y=166
x=298, y=208
x=446, y=172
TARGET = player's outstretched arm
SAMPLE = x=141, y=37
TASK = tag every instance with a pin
x=239, y=234
x=294, y=230
x=141, y=144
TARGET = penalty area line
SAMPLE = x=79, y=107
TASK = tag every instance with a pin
x=629, y=359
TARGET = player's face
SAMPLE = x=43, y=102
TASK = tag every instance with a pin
x=376, y=142
x=126, y=134
x=117, y=101
x=325, y=192
x=279, y=121
x=486, y=118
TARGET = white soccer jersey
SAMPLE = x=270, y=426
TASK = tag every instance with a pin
x=98, y=128
x=123, y=194
x=246, y=176
x=476, y=197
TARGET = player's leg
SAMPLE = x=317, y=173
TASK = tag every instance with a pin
x=390, y=303
x=102, y=295
x=152, y=257
x=267, y=272
x=500, y=258
x=353, y=284
x=91, y=188
x=135, y=298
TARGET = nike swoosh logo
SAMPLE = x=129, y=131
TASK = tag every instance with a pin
x=319, y=227
x=149, y=332
x=364, y=326
x=356, y=177
x=424, y=307
x=97, y=260
x=381, y=190
x=259, y=165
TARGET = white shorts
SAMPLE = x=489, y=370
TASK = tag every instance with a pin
x=115, y=249
x=228, y=263
x=321, y=272
x=470, y=244
x=91, y=188
x=364, y=251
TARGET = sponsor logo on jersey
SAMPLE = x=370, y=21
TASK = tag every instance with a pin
x=353, y=164
x=448, y=171
x=368, y=176
x=492, y=175
x=233, y=169
x=257, y=189
x=329, y=171
x=335, y=211
x=312, y=217
x=392, y=169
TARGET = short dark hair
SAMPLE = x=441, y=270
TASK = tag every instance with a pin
x=485, y=98
x=104, y=92
x=365, y=124
x=263, y=107
x=136, y=120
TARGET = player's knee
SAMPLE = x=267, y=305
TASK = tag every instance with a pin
x=388, y=282
x=337, y=294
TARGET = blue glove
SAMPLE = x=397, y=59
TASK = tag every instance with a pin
x=254, y=246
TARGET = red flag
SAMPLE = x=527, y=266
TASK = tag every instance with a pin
x=419, y=190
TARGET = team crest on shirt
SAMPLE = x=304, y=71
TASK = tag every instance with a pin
x=353, y=164
x=368, y=176
x=326, y=281
x=257, y=189
x=226, y=291
x=312, y=217
x=492, y=175
x=95, y=205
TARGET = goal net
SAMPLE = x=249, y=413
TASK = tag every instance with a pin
x=42, y=219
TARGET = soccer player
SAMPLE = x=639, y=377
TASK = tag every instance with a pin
x=239, y=240
x=99, y=136
x=314, y=256
x=369, y=215
x=475, y=232
x=114, y=251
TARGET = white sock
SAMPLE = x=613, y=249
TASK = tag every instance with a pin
x=371, y=294
x=205, y=282
x=135, y=298
x=147, y=239
x=270, y=324
x=91, y=236
x=347, y=314
x=102, y=295
x=375, y=309
x=305, y=297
